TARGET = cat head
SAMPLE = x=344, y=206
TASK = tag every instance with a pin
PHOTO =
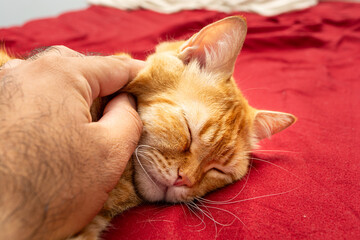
x=198, y=128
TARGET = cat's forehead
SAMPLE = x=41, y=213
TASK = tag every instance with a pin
x=165, y=62
x=169, y=70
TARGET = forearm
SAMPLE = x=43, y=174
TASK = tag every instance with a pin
x=35, y=173
x=39, y=172
x=23, y=212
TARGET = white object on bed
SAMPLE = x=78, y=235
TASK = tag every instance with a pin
x=263, y=7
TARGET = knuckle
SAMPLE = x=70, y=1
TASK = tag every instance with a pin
x=63, y=69
x=58, y=49
x=50, y=63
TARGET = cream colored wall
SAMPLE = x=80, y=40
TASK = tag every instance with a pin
x=17, y=12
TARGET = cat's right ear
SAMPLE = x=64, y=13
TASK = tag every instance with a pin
x=217, y=45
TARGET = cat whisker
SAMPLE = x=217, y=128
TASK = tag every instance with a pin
x=252, y=89
x=158, y=220
x=142, y=167
x=231, y=213
x=144, y=152
x=202, y=222
x=209, y=215
x=148, y=146
x=153, y=155
x=248, y=199
x=207, y=212
x=194, y=207
x=182, y=207
x=263, y=160
x=147, y=163
x=145, y=157
x=231, y=199
x=150, y=161
x=271, y=150
x=217, y=222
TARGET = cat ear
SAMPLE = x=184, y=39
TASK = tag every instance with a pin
x=217, y=45
x=267, y=123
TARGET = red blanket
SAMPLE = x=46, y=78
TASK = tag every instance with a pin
x=307, y=182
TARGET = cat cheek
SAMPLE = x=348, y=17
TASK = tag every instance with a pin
x=147, y=189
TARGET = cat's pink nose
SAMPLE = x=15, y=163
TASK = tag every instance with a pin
x=183, y=180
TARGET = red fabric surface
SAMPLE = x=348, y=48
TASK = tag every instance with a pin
x=306, y=63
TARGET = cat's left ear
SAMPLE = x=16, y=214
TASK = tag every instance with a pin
x=217, y=45
x=267, y=123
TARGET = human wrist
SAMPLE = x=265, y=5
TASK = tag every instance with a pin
x=39, y=183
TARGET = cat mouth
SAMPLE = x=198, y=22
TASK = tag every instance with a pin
x=154, y=188
x=166, y=192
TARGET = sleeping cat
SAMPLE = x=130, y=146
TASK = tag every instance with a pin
x=198, y=127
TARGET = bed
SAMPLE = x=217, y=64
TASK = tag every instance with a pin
x=304, y=183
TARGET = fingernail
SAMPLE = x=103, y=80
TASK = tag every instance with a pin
x=132, y=100
x=136, y=67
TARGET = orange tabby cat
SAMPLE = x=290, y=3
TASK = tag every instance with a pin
x=198, y=127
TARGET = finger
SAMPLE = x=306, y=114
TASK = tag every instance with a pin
x=107, y=75
x=103, y=75
x=121, y=119
x=92, y=76
x=122, y=128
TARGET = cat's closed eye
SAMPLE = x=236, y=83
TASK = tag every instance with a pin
x=189, y=141
x=218, y=170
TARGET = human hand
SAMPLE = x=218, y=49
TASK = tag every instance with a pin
x=57, y=167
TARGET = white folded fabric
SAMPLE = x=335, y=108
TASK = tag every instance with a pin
x=263, y=7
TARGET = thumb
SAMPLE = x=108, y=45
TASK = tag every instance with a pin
x=123, y=128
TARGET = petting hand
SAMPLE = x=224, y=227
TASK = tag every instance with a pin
x=56, y=166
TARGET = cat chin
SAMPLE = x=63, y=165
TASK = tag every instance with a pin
x=177, y=194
